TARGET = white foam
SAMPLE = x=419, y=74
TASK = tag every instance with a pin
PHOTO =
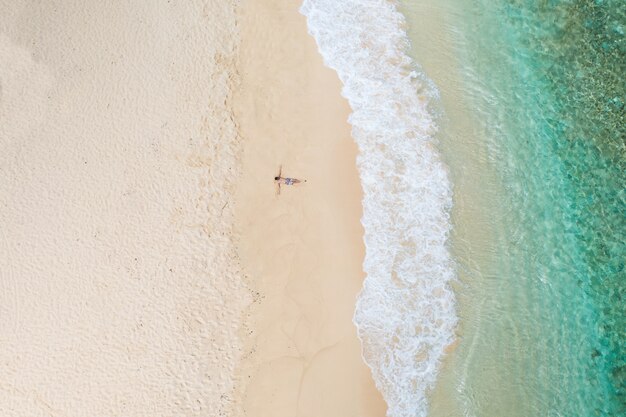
x=405, y=313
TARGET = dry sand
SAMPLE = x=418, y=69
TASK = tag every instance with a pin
x=119, y=287
x=302, y=251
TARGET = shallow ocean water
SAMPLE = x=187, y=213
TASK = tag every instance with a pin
x=534, y=135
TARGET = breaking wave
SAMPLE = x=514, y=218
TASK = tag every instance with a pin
x=405, y=313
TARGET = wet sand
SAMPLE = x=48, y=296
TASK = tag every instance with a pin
x=301, y=250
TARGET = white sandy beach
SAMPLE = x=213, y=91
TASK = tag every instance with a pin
x=123, y=247
x=120, y=292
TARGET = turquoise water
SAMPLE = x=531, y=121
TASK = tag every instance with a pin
x=541, y=159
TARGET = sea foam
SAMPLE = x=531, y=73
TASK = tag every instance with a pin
x=405, y=313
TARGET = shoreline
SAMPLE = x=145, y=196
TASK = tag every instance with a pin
x=302, y=251
x=405, y=314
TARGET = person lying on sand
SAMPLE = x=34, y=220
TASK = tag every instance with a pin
x=279, y=179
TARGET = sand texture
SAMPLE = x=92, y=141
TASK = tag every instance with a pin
x=119, y=285
x=302, y=251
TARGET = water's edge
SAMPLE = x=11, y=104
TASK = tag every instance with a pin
x=405, y=314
